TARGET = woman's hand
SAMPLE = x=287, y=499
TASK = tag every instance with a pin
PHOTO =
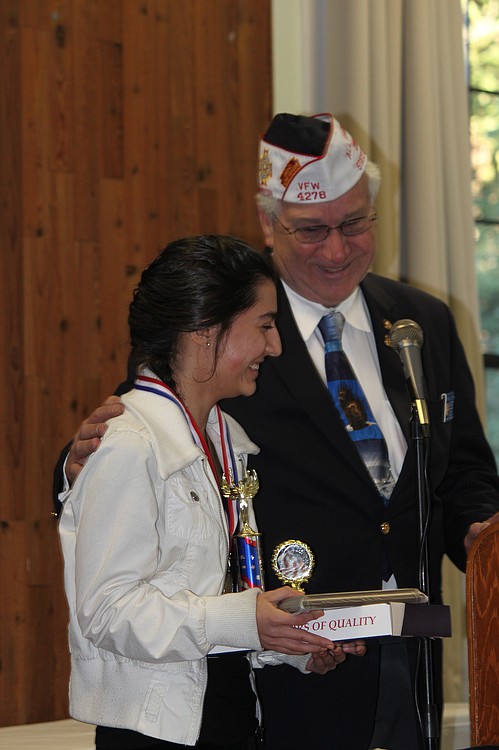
x=279, y=630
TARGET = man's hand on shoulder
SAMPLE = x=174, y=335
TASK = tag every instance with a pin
x=88, y=436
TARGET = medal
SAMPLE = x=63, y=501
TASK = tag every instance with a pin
x=293, y=563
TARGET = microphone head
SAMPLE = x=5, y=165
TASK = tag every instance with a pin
x=405, y=333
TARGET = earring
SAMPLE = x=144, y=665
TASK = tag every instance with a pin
x=208, y=343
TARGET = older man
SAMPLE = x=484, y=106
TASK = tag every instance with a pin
x=346, y=489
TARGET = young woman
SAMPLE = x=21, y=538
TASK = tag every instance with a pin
x=146, y=532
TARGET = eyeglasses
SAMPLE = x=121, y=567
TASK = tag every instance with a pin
x=318, y=232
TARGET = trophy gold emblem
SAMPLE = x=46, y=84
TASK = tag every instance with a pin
x=293, y=563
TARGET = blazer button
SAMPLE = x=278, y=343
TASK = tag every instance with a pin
x=385, y=527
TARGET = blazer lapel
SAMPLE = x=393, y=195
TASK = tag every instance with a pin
x=383, y=311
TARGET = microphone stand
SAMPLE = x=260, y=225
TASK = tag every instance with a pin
x=428, y=716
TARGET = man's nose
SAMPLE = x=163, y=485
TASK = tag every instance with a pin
x=335, y=246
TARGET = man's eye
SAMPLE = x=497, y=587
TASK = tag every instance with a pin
x=314, y=231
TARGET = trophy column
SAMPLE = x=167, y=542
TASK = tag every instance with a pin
x=247, y=546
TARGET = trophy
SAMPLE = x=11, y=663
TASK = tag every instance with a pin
x=293, y=563
x=247, y=543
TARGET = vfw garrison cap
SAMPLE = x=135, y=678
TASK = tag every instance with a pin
x=308, y=159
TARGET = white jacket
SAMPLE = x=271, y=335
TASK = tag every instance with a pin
x=145, y=565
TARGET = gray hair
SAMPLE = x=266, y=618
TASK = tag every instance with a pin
x=270, y=205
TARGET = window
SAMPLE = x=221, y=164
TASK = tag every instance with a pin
x=481, y=24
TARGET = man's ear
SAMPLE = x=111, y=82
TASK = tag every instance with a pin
x=267, y=228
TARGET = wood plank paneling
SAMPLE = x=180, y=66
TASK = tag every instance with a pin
x=86, y=119
x=11, y=298
x=124, y=124
x=60, y=89
x=15, y=621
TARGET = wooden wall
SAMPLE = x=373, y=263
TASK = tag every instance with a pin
x=123, y=124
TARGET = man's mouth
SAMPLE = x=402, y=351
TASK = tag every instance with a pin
x=332, y=271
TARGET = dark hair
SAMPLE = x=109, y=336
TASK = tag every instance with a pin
x=195, y=283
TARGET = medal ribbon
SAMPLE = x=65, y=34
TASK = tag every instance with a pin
x=154, y=385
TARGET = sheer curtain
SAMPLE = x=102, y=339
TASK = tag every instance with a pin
x=392, y=71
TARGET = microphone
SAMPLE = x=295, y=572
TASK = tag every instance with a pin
x=406, y=337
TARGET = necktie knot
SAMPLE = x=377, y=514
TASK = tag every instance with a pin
x=331, y=326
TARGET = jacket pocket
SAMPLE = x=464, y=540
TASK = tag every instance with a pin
x=192, y=512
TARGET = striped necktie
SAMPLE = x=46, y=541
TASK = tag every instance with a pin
x=353, y=406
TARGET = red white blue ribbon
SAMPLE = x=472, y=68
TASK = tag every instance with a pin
x=154, y=385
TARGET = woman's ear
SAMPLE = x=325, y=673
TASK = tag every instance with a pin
x=204, y=337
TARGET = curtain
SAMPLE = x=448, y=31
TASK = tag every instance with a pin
x=392, y=71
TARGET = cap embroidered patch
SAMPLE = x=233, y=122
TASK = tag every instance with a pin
x=265, y=170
